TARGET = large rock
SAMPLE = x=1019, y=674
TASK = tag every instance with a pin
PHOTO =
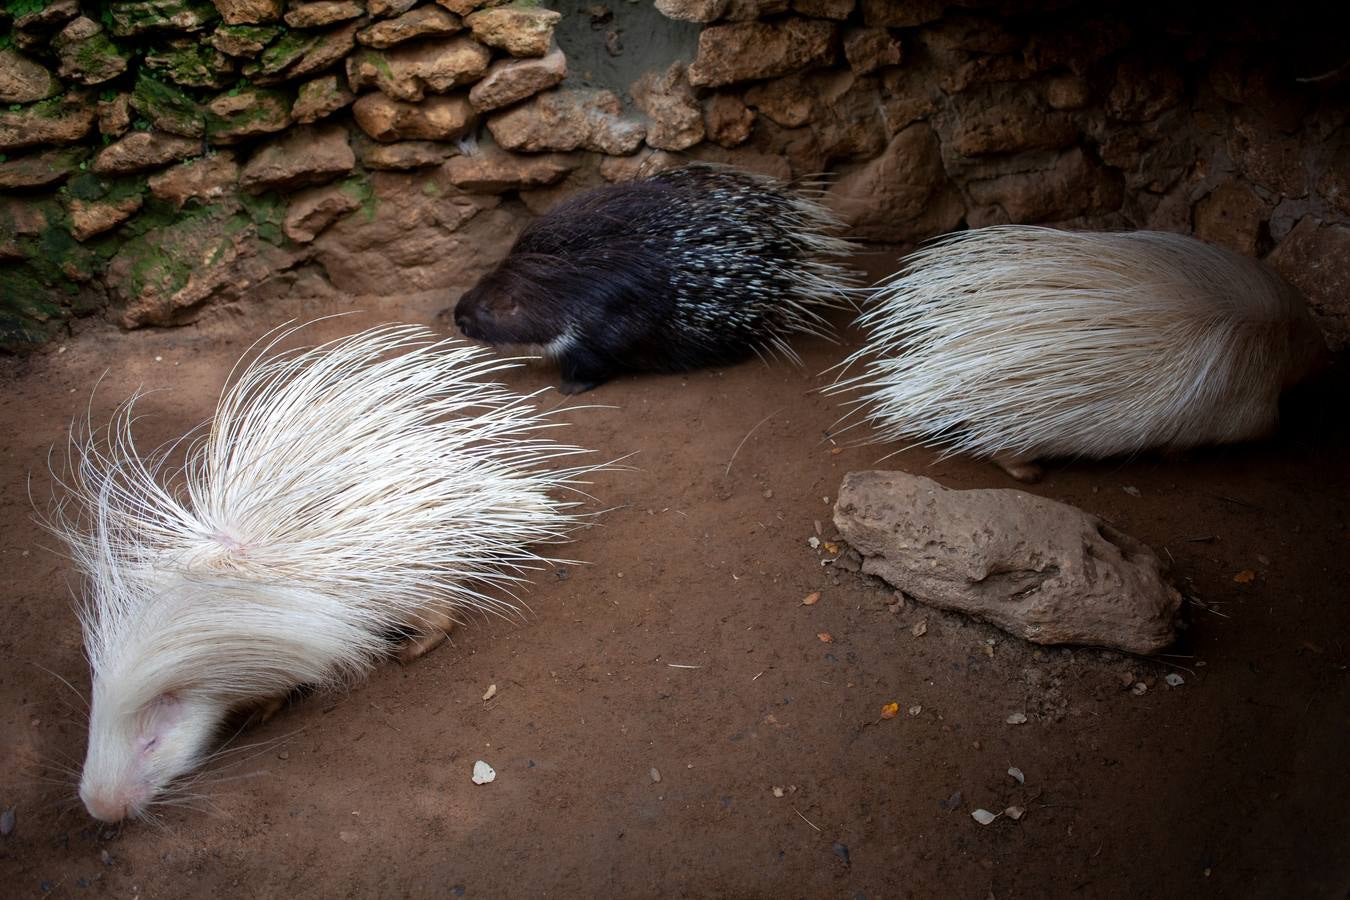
x=509, y=81
x=405, y=155
x=749, y=10
x=158, y=278
x=727, y=121
x=1072, y=186
x=434, y=119
x=1315, y=257
x=249, y=12
x=384, y=8
x=824, y=9
x=167, y=108
x=491, y=170
x=40, y=169
x=193, y=63
x=1143, y=89
x=242, y=40
x=207, y=180
x=87, y=55
x=568, y=119
x=670, y=104
x=701, y=11
x=314, y=209
x=22, y=80
x=326, y=50
x=901, y=13
x=425, y=21
x=60, y=120
x=321, y=97
x=130, y=18
x=902, y=195
x=869, y=49
x=46, y=16
x=1004, y=121
x=91, y=217
x=746, y=51
x=141, y=151
x=408, y=72
x=310, y=154
x=520, y=31
x=114, y=116
x=248, y=113
x=1044, y=571
x=1231, y=216
x=322, y=12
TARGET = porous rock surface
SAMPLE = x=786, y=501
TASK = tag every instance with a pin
x=1042, y=570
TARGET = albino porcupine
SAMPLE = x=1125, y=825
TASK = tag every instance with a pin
x=690, y=267
x=342, y=497
x=1020, y=343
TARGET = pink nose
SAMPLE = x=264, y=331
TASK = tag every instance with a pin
x=103, y=808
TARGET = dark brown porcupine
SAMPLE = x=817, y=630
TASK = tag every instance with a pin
x=691, y=267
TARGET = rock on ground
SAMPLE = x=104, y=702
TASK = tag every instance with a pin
x=1042, y=570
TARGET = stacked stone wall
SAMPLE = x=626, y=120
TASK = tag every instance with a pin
x=159, y=156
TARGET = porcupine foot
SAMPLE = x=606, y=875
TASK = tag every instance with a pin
x=1022, y=468
x=433, y=627
x=581, y=372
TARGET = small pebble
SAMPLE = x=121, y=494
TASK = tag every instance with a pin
x=915, y=710
x=490, y=692
x=483, y=773
x=1131, y=490
x=1174, y=680
x=656, y=774
x=1139, y=689
x=920, y=629
x=1017, y=774
x=777, y=791
x=284, y=754
x=768, y=494
x=1017, y=718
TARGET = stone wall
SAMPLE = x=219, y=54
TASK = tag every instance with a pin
x=160, y=155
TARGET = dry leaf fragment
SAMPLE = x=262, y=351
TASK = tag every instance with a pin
x=830, y=546
x=1017, y=774
x=920, y=629
x=835, y=451
x=983, y=816
x=811, y=599
x=490, y=693
x=1014, y=812
x=825, y=637
x=1246, y=576
x=1017, y=718
x=890, y=710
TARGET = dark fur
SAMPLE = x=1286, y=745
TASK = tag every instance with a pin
x=627, y=273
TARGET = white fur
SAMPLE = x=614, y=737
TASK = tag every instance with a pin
x=1033, y=342
x=338, y=493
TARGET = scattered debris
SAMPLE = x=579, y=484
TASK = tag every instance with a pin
x=1017, y=718
x=483, y=773
x=825, y=637
x=490, y=693
x=1014, y=812
x=1174, y=680
x=1139, y=689
x=1017, y=774
x=983, y=816
x=655, y=773
x=920, y=629
x=1246, y=576
x=813, y=543
x=815, y=523
x=1131, y=490
x=777, y=791
x=811, y=599
x=915, y=710
x=805, y=819
x=284, y=754
x=890, y=710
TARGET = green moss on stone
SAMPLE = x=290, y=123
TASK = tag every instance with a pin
x=167, y=107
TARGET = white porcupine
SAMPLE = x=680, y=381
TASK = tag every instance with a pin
x=1021, y=343
x=695, y=266
x=341, y=497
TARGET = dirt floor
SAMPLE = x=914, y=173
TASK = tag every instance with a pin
x=660, y=698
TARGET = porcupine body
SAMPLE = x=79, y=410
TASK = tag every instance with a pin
x=1021, y=343
x=697, y=266
x=342, y=496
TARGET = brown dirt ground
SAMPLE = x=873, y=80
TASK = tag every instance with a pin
x=1233, y=785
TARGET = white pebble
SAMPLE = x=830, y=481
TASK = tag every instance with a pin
x=1017, y=718
x=483, y=773
x=1174, y=680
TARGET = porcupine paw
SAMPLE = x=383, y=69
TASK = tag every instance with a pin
x=432, y=629
x=1021, y=468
